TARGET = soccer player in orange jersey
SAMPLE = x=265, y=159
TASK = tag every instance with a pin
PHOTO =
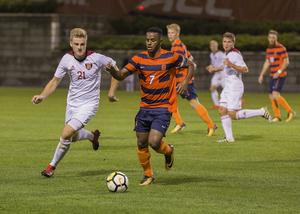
x=277, y=59
x=190, y=95
x=157, y=78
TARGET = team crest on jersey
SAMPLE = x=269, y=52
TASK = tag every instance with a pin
x=163, y=67
x=89, y=66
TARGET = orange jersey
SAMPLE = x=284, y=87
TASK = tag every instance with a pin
x=275, y=56
x=181, y=49
x=157, y=78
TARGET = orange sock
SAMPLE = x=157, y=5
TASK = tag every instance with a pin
x=177, y=117
x=275, y=109
x=164, y=148
x=204, y=115
x=144, y=157
x=281, y=101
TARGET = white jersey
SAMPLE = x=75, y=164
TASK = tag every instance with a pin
x=216, y=59
x=233, y=78
x=85, y=77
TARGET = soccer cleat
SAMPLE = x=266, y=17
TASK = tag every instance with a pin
x=214, y=107
x=210, y=131
x=178, y=128
x=290, y=116
x=225, y=140
x=276, y=120
x=49, y=171
x=95, y=141
x=267, y=114
x=169, y=159
x=147, y=180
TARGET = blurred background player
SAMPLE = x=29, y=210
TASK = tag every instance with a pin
x=277, y=59
x=130, y=79
x=190, y=95
x=216, y=59
x=157, y=78
x=84, y=68
x=231, y=96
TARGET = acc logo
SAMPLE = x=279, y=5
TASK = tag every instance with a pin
x=163, y=67
x=89, y=66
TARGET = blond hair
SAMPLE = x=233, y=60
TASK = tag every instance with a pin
x=213, y=41
x=174, y=26
x=78, y=33
x=229, y=35
x=273, y=32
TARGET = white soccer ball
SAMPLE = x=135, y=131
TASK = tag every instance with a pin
x=117, y=182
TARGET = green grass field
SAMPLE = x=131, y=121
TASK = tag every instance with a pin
x=258, y=173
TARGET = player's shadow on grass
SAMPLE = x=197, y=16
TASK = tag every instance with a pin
x=179, y=181
x=97, y=172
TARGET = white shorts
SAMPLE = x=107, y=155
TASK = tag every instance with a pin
x=83, y=114
x=231, y=99
x=218, y=79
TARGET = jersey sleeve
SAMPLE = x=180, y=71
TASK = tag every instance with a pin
x=61, y=69
x=104, y=60
x=132, y=65
x=238, y=60
x=180, y=61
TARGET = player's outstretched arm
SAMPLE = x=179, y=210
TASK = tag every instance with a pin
x=112, y=91
x=50, y=87
x=116, y=73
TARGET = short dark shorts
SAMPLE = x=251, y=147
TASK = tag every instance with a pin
x=276, y=84
x=157, y=118
x=191, y=92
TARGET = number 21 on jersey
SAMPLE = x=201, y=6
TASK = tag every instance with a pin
x=81, y=75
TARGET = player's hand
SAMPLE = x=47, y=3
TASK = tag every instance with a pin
x=212, y=70
x=276, y=75
x=260, y=79
x=112, y=98
x=109, y=67
x=227, y=62
x=37, y=99
x=208, y=67
x=181, y=88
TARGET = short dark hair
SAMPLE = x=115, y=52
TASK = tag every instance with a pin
x=155, y=30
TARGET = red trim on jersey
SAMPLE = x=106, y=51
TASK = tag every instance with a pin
x=235, y=50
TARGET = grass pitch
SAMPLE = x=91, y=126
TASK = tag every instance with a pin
x=258, y=173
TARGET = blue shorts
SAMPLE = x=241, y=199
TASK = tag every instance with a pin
x=191, y=92
x=147, y=119
x=276, y=84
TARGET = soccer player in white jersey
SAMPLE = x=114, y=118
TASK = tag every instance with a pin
x=84, y=69
x=216, y=65
x=231, y=96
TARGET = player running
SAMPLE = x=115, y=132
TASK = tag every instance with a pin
x=190, y=95
x=231, y=96
x=277, y=59
x=84, y=69
x=157, y=78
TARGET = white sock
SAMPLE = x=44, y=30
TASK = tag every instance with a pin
x=215, y=97
x=246, y=113
x=226, y=123
x=61, y=150
x=85, y=134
